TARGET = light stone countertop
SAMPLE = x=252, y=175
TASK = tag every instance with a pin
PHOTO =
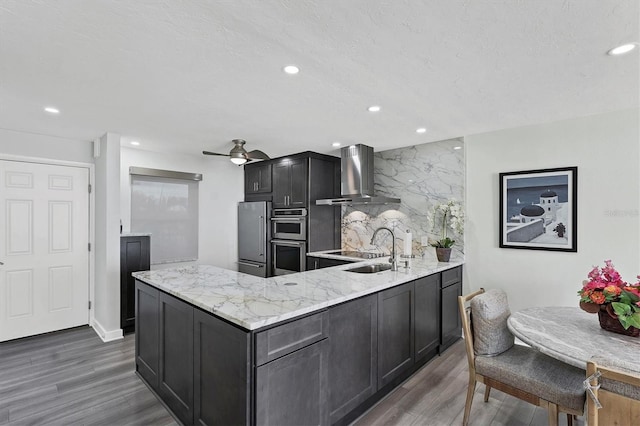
x=574, y=336
x=253, y=302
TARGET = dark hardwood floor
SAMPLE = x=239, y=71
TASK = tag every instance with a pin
x=73, y=378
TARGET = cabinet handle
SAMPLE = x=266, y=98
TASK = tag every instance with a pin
x=255, y=186
x=315, y=264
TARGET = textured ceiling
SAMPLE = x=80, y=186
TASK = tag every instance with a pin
x=192, y=75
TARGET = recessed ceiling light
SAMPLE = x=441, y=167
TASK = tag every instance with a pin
x=291, y=69
x=621, y=50
x=457, y=147
x=52, y=110
x=134, y=143
x=421, y=130
x=373, y=108
x=336, y=144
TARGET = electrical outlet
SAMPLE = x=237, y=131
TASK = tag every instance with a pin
x=424, y=241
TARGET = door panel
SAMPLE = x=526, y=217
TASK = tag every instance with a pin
x=44, y=236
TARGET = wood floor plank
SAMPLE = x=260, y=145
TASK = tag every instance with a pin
x=72, y=377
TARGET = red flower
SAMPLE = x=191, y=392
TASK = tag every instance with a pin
x=597, y=297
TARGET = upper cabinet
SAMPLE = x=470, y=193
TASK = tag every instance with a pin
x=294, y=181
x=257, y=178
x=290, y=183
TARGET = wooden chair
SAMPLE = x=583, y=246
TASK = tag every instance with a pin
x=618, y=392
x=519, y=370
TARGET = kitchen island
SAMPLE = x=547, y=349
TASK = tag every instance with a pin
x=317, y=347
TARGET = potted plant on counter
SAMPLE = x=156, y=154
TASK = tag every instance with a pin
x=616, y=302
x=450, y=213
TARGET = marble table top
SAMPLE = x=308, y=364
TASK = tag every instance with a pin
x=574, y=336
x=254, y=302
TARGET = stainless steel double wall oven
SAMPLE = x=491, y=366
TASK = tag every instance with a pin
x=289, y=243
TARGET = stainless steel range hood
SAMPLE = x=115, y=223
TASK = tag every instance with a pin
x=357, y=179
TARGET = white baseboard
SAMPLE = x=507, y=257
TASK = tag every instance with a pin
x=106, y=336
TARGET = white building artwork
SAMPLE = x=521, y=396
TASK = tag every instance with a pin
x=549, y=202
x=547, y=209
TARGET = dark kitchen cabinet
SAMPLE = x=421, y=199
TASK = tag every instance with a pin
x=395, y=332
x=222, y=371
x=451, y=327
x=134, y=257
x=427, y=316
x=323, y=262
x=148, y=333
x=257, y=178
x=353, y=355
x=292, y=390
x=175, y=378
x=290, y=183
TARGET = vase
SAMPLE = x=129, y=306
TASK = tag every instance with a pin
x=443, y=254
x=609, y=321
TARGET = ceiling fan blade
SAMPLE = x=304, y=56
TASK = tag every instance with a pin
x=214, y=153
x=256, y=154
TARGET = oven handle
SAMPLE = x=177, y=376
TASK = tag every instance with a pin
x=288, y=219
x=289, y=243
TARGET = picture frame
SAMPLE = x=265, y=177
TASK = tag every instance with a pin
x=538, y=209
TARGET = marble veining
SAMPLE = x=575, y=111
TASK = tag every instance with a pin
x=422, y=176
x=253, y=302
x=573, y=336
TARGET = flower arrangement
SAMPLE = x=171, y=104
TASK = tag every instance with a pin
x=451, y=210
x=605, y=289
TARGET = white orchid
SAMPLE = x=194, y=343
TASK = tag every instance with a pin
x=454, y=212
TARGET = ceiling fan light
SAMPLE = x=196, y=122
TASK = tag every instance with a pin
x=238, y=160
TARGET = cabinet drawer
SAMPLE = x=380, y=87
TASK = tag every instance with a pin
x=284, y=339
x=451, y=276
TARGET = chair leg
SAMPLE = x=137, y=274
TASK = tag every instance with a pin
x=487, y=390
x=467, y=405
x=569, y=419
x=553, y=414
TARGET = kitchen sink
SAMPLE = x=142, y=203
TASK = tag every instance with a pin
x=371, y=269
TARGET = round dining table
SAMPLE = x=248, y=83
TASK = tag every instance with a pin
x=572, y=335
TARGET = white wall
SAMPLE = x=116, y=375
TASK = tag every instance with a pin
x=107, y=236
x=43, y=146
x=220, y=191
x=605, y=148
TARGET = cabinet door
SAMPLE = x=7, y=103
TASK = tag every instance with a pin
x=451, y=326
x=292, y=390
x=222, y=372
x=281, y=184
x=353, y=356
x=134, y=257
x=175, y=377
x=427, y=316
x=257, y=179
x=299, y=182
x=147, y=332
x=395, y=332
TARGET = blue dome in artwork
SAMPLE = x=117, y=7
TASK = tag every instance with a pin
x=548, y=194
x=532, y=210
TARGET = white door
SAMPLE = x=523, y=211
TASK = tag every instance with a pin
x=44, y=237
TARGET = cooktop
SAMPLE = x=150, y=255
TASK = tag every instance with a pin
x=359, y=254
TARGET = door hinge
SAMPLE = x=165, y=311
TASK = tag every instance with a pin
x=89, y=188
x=89, y=246
x=89, y=304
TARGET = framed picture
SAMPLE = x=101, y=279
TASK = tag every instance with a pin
x=538, y=209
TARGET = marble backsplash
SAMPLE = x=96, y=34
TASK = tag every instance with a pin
x=421, y=176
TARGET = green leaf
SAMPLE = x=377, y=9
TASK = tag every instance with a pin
x=634, y=320
x=632, y=296
x=621, y=308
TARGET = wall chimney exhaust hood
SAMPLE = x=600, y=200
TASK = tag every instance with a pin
x=356, y=182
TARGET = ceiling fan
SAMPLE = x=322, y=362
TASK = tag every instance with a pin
x=239, y=155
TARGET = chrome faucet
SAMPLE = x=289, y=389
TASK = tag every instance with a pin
x=392, y=259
